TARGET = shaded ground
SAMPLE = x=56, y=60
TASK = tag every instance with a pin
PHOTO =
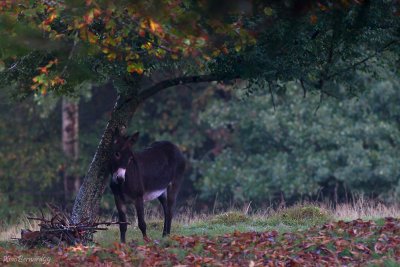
x=354, y=243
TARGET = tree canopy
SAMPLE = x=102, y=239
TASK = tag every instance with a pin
x=56, y=45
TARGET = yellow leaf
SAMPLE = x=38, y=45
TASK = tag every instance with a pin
x=238, y=47
x=268, y=11
x=154, y=26
x=131, y=56
x=105, y=50
x=206, y=57
x=112, y=56
x=216, y=53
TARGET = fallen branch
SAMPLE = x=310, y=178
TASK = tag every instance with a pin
x=59, y=230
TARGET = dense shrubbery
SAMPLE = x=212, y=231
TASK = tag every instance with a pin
x=305, y=148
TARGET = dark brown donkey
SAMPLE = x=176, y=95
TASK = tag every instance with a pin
x=155, y=172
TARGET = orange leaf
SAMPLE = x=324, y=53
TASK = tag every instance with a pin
x=89, y=17
x=135, y=67
x=44, y=70
x=92, y=37
x=50, y=19
x=313, y=19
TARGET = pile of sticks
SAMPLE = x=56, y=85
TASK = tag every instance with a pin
x=59, y=230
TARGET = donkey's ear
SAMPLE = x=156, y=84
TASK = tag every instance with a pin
x=133, y=139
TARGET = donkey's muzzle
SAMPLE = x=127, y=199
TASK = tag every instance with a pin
x=119, y=176
x=120, y=180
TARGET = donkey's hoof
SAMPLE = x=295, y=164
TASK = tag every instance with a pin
x=146, y=239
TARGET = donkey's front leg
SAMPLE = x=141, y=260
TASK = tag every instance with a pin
x=121, y=216
x=140, y=215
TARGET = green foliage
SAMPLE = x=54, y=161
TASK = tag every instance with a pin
x=31, y=156
x=304, y=146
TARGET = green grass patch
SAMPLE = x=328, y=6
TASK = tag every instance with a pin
x=211, y=226
x=306, y=215
x=230, y=218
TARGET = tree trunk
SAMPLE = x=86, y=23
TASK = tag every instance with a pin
x=88, y=199
x=70, y=146
x=70, y=128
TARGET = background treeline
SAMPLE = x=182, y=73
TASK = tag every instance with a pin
x=288, y=145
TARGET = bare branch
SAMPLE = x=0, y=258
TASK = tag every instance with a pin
x=321, y=94
x=272, y=95
x=304, y=88
x=71, y=53
x=353, y=66
x=149, y=92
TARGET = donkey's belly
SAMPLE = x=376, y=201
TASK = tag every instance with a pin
x=153, y=194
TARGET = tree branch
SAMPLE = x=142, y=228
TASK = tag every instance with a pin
x=272, y=95
x=149, y=92
x=71, y=53
x=321, y=95
x=304, y=88
x=353, y=66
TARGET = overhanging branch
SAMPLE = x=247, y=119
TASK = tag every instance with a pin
x=149, y=92
x=356, y=64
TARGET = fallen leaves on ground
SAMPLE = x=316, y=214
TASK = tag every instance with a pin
x=354, y=243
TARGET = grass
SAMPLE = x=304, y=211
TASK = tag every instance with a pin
x=219, y=224
x=14, y=230
x=211, y=226
x=307, y=215
x=365, y=209
x=296, y=218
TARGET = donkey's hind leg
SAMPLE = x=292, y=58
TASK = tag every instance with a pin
x=163, y=201
x=172, y=193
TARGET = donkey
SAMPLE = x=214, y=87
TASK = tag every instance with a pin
x=137, y=177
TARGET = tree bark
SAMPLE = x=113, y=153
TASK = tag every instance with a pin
x=88, y=199
x=70, y=146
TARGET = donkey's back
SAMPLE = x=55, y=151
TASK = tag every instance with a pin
x=160, y=164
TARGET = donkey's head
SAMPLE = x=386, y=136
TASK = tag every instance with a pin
x=121, y=155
